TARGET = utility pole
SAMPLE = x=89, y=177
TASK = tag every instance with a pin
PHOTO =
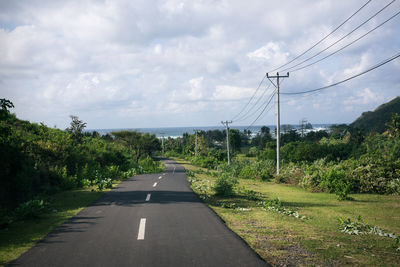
x=195, y=152
x=162, y=142
x=278, y=118
x=226, y=124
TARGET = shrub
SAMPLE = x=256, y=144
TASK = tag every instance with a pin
x=129, y=173
x=290, y=174
x=149, y=165
x=249, y=194
x=224, y=185
x=113, y=172
x=248, y=172
x=103, y=183
x=190, y=173
x=30, y=209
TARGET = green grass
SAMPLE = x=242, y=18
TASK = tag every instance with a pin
x=22, y=235
x=283, y=240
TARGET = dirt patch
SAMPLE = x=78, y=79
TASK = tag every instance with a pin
x=276, y=251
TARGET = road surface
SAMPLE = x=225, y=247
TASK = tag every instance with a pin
x=148, y=220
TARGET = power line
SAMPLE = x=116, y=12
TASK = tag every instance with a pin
x=237, y=117
x=255, y=111
x=347, y=79
x=334, y=43
x=265, y=107
x=320, y=41
x=250, y=99
x=337, y=51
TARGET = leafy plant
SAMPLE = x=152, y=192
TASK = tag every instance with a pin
x=30, y=209
x=224, y=185
x=361, y=227
x=103, y=183
x=190, y=173
x=249, y=194
x=277, y=206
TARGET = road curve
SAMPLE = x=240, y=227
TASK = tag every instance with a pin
x=148, y=220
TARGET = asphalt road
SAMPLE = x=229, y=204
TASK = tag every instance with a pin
x=148, y=220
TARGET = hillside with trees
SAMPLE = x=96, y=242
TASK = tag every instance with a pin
x=375, y=121
x=37, y=161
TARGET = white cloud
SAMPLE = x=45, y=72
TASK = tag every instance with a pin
x=145, y=60
x=196, y=92
x=270, y=51
x=228, y=92
x=364, y=97
x=365, y=62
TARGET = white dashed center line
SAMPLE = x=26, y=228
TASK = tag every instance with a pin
x=142, y=228
x=155, y=184
x=159, y=177
x=148, y=197
x=174, y=170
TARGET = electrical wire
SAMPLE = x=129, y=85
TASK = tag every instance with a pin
x=247, y=116
x=347, y=79
x=320, y=41
x=337, y=51
x=336, y=42
x=255, y=92
x=269, y=101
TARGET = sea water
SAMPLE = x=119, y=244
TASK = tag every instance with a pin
x=175, y=132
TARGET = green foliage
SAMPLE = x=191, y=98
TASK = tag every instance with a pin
x=261, y=170
x=103, y=183
x=276, y=205
x=311, y=151
x=209, y=162
x=276, y=202
x=224, y=185
x=148, y=165
x=30, y=209
x=373, y=167
x=393, y=126
x=37, y=160
x=376, y=121
x=76, y=128
x=5, y=106
x=249, y=194
x=190, y=173
x=360, y=227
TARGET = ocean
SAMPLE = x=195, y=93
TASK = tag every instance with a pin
x=175, y=132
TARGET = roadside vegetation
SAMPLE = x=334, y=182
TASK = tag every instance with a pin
x=47, y=175
x=336, y=201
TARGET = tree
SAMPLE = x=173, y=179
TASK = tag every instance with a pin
x=235, y=140
x=132, y=139
x=285, y=128
x=262, y=138
x=5, y=105
x=393, y=126
x=291, y=136
x=76, y=128
x=149, y=143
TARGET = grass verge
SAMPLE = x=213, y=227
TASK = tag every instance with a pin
x=20, y=236
x=317, y=240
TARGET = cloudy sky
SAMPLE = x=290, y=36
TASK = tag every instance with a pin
x=131, y=64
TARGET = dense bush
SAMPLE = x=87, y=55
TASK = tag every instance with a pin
x=30, y=209
x=311, y=151
x=36, y=159
x=224, y=185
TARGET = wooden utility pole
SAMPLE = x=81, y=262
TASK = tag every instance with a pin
x=278, y=118
x=226, y=124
